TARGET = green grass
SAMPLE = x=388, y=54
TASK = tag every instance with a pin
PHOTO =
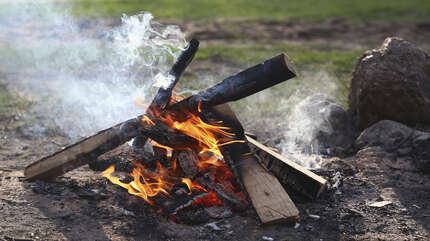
x=387, y=10
x=338, y=61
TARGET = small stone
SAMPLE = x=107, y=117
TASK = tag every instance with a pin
x=129, y=213
x=213, y=226
x=309, y=228
x=219, y=212
x=266, y=238
x=380, y=204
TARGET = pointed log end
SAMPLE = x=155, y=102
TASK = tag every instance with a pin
x=289, y=63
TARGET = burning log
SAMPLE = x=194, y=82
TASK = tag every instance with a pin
x=188, y=161
x=77, y=154
x=248, y=82
x=90, y=148
x=270, y=200
x=289, y=172
x=164, y=95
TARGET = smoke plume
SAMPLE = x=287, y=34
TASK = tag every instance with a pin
x=83, y=74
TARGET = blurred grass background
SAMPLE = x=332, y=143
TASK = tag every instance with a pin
x=338, y=61
x=385, y=10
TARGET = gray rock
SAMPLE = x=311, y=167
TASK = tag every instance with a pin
x=398, y=139
x=318, y=125
x=392, y=82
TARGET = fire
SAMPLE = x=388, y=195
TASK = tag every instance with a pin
x=148, y=184
x=144, y=184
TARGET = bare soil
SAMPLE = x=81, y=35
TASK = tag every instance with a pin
x=339, y=33
x=83, y=205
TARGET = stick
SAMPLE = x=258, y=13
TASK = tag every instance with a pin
x=163, y=96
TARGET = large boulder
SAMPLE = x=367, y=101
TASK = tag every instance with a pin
x=399, y=140
x=392, y=82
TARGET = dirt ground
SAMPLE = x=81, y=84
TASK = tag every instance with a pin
x=83, y=205
x=338, y=33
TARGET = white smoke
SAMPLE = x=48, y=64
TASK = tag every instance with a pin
x=281, y=115
x=302, y=125
x=83, y=74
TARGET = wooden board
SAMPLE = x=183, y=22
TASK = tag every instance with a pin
x=270, y=200
x=289, y=172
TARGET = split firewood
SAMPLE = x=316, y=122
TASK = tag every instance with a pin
x=288, y=172
x=77, y=154
x=270, y=200
x=88, y=149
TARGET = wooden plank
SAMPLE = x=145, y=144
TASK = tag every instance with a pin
x=270, y=200
x=289, y=172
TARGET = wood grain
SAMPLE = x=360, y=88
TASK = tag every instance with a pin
x=270, y=200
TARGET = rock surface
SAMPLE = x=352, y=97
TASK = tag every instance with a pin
x=392, y=82
x=319, y=125
x=405, y=143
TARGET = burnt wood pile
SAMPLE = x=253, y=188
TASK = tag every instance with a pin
x=249, y=163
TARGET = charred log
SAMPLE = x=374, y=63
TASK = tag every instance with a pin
x=250, y=81
x=163, y=96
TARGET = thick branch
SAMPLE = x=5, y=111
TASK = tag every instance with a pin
x=250, y=81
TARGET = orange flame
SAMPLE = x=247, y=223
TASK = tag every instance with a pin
x=147, y=184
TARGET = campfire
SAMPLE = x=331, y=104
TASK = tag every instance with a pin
x=201, y=157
